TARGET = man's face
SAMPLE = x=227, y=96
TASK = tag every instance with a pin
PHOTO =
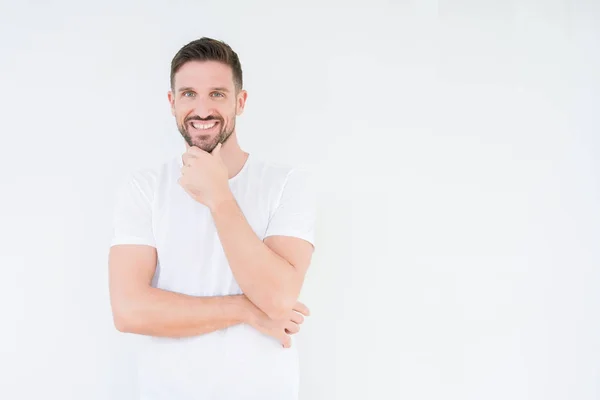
x=205, y=104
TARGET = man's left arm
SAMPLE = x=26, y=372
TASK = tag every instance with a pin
x=271, y=273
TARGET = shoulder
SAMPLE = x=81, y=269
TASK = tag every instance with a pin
x=146, y=179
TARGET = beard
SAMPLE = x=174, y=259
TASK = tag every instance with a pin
x=207, y=145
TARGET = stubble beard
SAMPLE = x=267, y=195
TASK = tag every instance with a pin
x=207, y=146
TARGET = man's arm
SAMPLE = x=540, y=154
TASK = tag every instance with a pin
x=140, y=308
x=270, y=273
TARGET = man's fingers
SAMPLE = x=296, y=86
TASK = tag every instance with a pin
x=194, y=151
x=301, y=308
x=286, y=341
x=292, y=328
x=187, y=159
x=297, y=318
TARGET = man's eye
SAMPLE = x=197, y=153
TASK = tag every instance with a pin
x=188, y=94
x=218, y=94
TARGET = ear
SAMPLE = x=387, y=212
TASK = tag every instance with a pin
x=172, y=102
x=241, y=102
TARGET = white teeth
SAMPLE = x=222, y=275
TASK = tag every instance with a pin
x=198, y=125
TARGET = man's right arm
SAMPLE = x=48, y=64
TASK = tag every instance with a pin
x=140, y=308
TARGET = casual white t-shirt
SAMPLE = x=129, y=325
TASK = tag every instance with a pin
x=234, y=363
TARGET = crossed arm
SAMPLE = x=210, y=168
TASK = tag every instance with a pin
x=140, y=308
x=270, y=274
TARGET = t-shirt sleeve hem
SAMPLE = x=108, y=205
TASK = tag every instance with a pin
x=300, y=235
x=132, y=240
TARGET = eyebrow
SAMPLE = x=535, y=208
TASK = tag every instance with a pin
x=219, y=89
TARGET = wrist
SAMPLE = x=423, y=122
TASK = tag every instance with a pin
x=221, y=200
x=248, y=313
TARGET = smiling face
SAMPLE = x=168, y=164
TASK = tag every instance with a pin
x=205, y=103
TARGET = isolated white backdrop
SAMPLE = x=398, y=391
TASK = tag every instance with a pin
x=457, y=143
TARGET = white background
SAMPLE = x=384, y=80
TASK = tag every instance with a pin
x=458, y=147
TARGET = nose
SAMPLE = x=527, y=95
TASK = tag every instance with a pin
x=204, y=107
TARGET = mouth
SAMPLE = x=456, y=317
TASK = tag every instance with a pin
x=204, y=127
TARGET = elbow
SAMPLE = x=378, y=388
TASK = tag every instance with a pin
x=122, y=327
x=123, y=319
x=122, y=324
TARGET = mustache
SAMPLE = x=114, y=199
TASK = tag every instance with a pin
x=197, y=118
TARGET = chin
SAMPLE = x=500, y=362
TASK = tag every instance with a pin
x=206, y=146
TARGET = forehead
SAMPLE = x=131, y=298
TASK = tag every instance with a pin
x=204, y=74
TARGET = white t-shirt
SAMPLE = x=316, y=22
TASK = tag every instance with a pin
x=234, y=363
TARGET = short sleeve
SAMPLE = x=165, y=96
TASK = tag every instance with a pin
x=295, y=213
x=132, y=217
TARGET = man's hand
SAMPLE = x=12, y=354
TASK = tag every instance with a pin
x=204, y=176
x=281, y=328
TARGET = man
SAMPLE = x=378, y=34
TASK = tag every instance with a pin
x=210, y=250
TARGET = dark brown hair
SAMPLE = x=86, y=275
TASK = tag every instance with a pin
x=207, y=49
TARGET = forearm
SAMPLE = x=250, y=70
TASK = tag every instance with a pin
x=158, y=312
x=269, y=281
